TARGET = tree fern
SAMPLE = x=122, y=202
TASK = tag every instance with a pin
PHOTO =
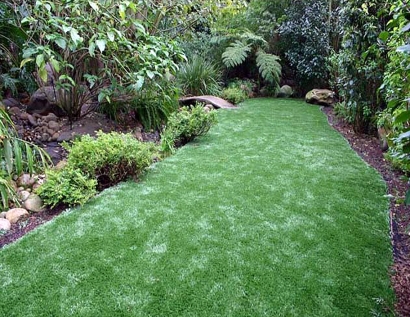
x=269, y=67
x=236, y=54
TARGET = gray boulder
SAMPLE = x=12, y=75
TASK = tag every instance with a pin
x=34, y=203
x=44, y=101
x=285, y=91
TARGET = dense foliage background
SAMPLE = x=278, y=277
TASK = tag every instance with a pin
x=138, y=57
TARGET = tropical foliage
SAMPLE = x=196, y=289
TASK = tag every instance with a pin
x=200, y=77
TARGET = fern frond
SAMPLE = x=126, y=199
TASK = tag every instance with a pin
x=269, y=67
x=253, y=39
x=236, y=53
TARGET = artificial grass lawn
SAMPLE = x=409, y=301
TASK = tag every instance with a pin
x=270, y=214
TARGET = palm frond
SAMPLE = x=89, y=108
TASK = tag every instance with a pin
x=269, y=67
x=236, y=53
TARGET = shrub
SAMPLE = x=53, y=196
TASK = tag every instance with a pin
x=68, y=186
x=185, y=125
x=199, y=77
x=248, y=86
x=111, y=157
x=234, y=95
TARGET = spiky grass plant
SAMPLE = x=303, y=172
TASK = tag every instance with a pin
x=16, y=156
x=200, y=77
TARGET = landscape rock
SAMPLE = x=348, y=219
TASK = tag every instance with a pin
x=53, y=125
x=32, y=120
x=25, y=181
x=24, y=116
x=11, y=102
x=44, y=101
x=60, y=165
x=5, y=225
x=50, y=117
x=322, y=97
x=285, y=91
x=15, y=111
x=34, y=203
x=45, y=137
x=15, y=214
x=3, y=214
x=55, y=136
x=23, y=195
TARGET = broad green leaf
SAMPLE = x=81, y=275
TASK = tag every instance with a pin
x=101, y=45
x=61, y=42
x=40, y=60
x=91, y=49
x=122, y=11
x=75, y=36
x=25, y=61
x=402, y=117
x=139, y=83
x=65, y=77
x=384, y=36
x=150, y=74
x=43, y=73
x=111, y=36
x=94, y=5
x=66, y=29
x=55, y=64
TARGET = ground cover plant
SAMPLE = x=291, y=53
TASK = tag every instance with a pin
x=270, y=214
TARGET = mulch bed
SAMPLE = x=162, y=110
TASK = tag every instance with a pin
x=368, y=147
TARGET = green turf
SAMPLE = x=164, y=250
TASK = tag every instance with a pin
x=270, y=214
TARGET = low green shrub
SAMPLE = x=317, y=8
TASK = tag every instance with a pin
x=94, y=164
x=68, y=186
x=111, y=157
x=185, y=125
x=234, y=95
x=248, y=86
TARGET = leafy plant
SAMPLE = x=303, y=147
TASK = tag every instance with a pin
x=240, y=50
x=199, y=77
x=16, y=156
x=185, y=125
x=234, y=95
x=359, y=65
x=155, y=104
x=96, y=51
x=111, y=157
x=66, y=186
x=305, y=41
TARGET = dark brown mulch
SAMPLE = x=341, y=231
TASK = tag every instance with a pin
x=368, y=147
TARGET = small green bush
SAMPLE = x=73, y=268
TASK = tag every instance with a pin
x=68, y=186
x=234, y=95
x=111, y=157
x=185, y=125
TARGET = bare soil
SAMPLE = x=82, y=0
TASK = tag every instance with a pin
x=368, y=147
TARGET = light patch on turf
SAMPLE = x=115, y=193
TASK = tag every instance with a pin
x=5, y=276
x=197, y=262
